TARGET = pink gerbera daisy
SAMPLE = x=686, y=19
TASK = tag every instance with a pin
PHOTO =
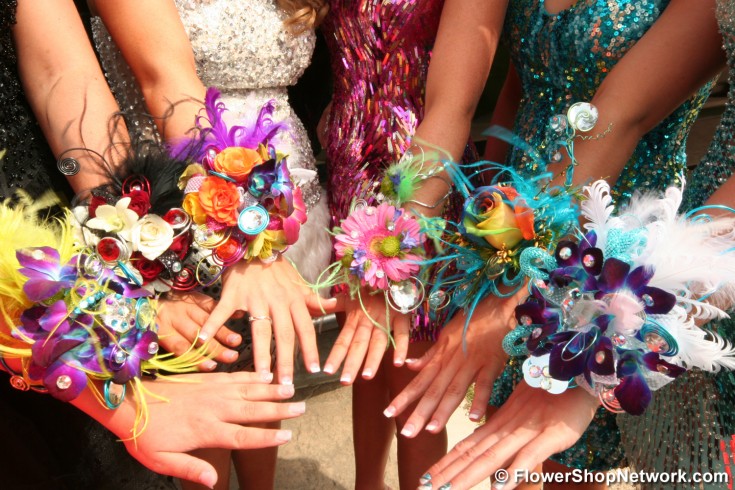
x=380, y=244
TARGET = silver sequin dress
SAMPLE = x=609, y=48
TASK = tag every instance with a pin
x=244, y=50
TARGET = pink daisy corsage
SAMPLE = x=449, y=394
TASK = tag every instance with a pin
x=380, y=248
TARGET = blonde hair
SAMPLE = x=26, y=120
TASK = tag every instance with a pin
x=303, y=14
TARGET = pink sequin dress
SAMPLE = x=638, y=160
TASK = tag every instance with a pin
x=380, y=53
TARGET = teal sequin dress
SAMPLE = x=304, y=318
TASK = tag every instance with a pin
x=562, y=59
x=691, y=421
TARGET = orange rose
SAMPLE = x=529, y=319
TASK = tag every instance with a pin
x=237, y=162
x=193, y=208
x=220, y=200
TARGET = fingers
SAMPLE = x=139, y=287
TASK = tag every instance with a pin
x=413, y=390
x=340, y=347
x=283, y=330
x=260, y=326
x=375, y=352
x=307, y=337
x=401, y=334
x=483, y=390
x=319, y=306
x=259, y=412
x=220, y=314
x=453, y=395
x=226, y=336
x=421, y=362
x=233, y=436
x=358, y=349
x=179, y=465
x=529, y=458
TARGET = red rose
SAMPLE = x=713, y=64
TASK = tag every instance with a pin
x=180, y=245
x=140, y=202
x=96, y=202
x=149, y=269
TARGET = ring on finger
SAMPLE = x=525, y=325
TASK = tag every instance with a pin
x=261, y=317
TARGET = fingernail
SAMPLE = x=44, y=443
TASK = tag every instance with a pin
x=297, y=408
x=232, y=355
x=398, y=362
x=446, y=486
x=367, y=373
x=425, y=479
x=283, y=435
x=286, y=390
x=411, y=361
x=475, y=416
x=498, y=485
x=389, y=412
x=209, y=365
x=286, y=380
x=203, y=337
x=234, y=339
x=408, y=430
x=426, y=486
x=329, y=369
x=433, y=425
x=208, y=478
x=314, y=368
x=266, y=376
x=346, y=378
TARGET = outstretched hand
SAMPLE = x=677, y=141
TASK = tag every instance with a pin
x=447, y=370
x=180, y=317
x=531, y=426
x=360, y=340
x=279, y=302
x=202, y=411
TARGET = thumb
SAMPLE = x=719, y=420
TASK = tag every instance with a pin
x=186, y=467
x=321, y=306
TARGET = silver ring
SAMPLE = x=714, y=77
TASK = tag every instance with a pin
x=261, y=317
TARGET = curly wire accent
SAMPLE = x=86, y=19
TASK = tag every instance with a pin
x=68, y=166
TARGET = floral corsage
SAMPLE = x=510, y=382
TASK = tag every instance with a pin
x=240, y=196
x=614, y=311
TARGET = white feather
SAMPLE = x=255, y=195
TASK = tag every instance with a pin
x=597, y=209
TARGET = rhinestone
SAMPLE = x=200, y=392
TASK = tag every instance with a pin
x=119, y=357
x=647, y=299
x=63, y=382
x=588, y=260
x=545, y=372
x=354, y=234
x=391, y=226
x=662, y=369
x=558, y=123
x=38, y=254
x=618, y=339
x=176, y=267
x=152, y=348
x=557, y=157
x=565, y=253
x=655, y=342
x=536, y=333
x=379, y=274
x=609, y=396
x=534, y=371
x=600, y=357
x=370, y=211
x=545, y=384
x=437, y=299
x=526, y=320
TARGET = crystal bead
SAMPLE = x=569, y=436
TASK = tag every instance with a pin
x=600, y=357
x=647, y=299
x=588, y=260
x=63, y=382
x=526, y=320
x=565, y=253
x=152, y=348
x=655, y=342
x=534, y=371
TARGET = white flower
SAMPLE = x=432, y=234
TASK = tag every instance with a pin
x=151, y=236
x=114, y=219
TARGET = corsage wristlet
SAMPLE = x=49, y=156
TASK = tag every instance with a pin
x=614, y=310
x=69, y=316
x=239, y=195
x=380, y=245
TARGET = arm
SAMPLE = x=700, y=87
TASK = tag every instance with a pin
x=504, y=115
x=65, y=86
x=155, y=45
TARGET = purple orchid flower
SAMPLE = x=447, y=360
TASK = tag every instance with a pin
x=586, y=353
x=124, y=359
x=616, y=275
x=545, y=319
x=633, y=392
x=46, y=276
x=272, y=178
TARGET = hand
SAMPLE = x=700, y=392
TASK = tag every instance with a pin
x=361, y=340
x=276, y=297
x=447, y=370
x=201, y=411
x=531, y=426
x=179, y=319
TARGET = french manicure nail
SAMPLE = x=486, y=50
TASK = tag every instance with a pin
x=426, y=486
x=283, y=435
x=297, y=408
x=446, y=486
x=346, y=378
x=266, y=376
x=234, y=339
x=433, y=425
x=475, y=416
x=398, y=362
x=498, y=485
x=286, y=380
x=408, y=430
x=425, y=479
x=314, y=368
x=208, y=478
x=209, y=365
x=286, y=390
x=232, y=355
x=411, y=361
x=389, y=412
x=367, y=373
x=329, y=369
x=203, y=337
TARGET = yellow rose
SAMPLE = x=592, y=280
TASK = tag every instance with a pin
x=189, y=172
x=193, y=208
x=488, y=215
x=237, y=162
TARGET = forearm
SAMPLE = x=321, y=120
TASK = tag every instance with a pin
x=456, y=78
x=504, y=115
x=680, y=53
x=66, y=88
x=153, y=41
